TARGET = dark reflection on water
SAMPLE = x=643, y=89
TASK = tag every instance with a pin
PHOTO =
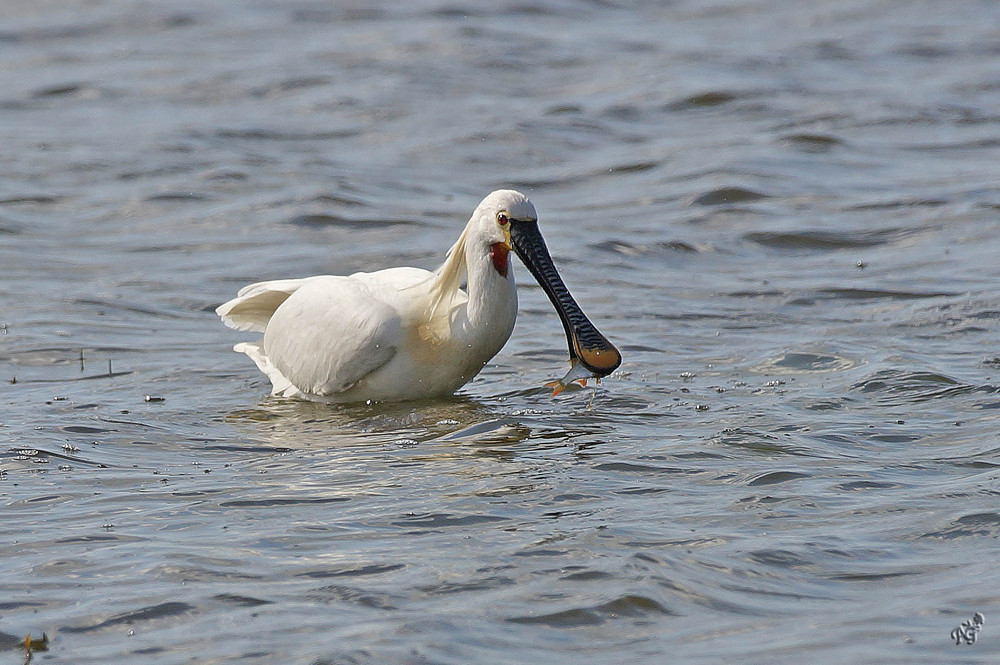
x=785, y=215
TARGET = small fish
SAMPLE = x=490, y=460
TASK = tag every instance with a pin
x=578, y=373
x=30, y=644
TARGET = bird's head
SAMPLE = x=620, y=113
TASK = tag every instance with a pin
x=492, y=222
x=506, y=220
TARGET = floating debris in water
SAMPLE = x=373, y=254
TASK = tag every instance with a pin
x=150, y=398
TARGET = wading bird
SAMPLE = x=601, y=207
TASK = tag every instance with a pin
x=407, y=333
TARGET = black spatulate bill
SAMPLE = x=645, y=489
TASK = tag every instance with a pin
x=586, y=343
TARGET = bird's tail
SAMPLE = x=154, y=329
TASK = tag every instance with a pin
x=279, y=384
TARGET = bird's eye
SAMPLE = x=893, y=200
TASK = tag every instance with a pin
x=502, y=218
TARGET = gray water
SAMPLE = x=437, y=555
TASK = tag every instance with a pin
x=785, y=215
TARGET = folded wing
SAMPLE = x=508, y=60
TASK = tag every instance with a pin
x=329, y=334
x=253, y=306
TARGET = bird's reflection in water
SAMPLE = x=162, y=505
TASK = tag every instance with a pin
x=290, y=424
x=498, y=427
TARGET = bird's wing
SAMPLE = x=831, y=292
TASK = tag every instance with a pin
x=330, y=333
x=253, y=306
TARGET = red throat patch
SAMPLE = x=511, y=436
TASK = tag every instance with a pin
x=499, y=252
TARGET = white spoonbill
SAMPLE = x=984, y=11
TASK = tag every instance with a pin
x=406, y=333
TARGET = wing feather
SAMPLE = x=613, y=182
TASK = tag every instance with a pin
x=330, y=333
x=254, y=305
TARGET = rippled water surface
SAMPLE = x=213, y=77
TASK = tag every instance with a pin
x=785, y=214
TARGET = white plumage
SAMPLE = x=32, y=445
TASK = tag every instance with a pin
x=396, y=334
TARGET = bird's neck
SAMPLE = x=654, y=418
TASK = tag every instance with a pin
x=492, y=296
